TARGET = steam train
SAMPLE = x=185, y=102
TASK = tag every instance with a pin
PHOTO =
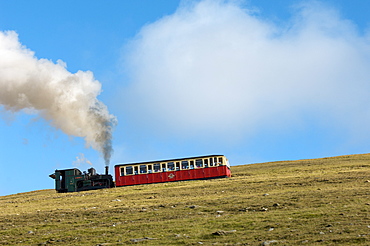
x=70, y=180
x=191, y=168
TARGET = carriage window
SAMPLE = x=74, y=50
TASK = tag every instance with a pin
x=171, y=166
x=191, y=164
x=157, y=167
x=185, y=164
x=129, y=170
x=136, y=170
x=164, y=167
x=150, y=168
x=177, y=166
x=220, y=161
x=199, y=163
x=211, y=162
x=215, y=161
x=205, y=162
x=142, y=168
x=122, y=169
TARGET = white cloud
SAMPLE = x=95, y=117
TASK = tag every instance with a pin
x=215, y=67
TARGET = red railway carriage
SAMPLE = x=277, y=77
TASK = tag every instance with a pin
x=201, y=167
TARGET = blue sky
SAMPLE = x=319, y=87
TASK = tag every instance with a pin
x=256, y=81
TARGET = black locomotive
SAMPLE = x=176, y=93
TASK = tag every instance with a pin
x=71, y=180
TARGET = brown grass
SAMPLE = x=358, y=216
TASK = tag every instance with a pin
x=306, y=202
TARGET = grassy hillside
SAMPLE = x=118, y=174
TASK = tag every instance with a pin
x=306, y=202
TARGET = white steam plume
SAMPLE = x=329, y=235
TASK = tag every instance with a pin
x=81, y=159
x=69, y=101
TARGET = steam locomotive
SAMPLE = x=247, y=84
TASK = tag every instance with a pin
x=71, y=180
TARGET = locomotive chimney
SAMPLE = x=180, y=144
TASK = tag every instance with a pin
x=106, y=170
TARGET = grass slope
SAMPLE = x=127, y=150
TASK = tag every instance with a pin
x=306, y=202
